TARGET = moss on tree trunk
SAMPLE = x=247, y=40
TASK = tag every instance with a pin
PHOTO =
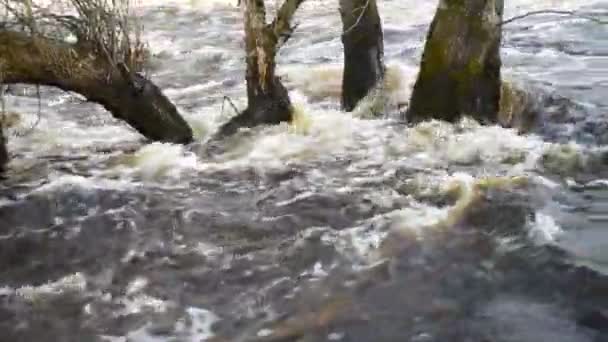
x=128, y=96
x=363, y=50
x=460, y=69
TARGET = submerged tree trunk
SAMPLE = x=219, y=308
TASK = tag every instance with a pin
x=363, y=50
x=128, y=96
x=268, y=100
x=460, y=69
x=3, y=150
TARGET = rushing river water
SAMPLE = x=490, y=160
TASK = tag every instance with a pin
x=334, y=228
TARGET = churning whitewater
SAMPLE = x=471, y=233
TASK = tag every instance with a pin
x=335, y=227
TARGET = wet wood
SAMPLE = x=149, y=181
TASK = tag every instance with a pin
x=363, y=50
x=460, y=70
x=127, y=96
x=268, y=100
x=3, y=150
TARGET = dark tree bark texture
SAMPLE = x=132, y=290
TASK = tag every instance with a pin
x=460, y=69
x=3, y=150
x=363, y=50
x=127, y=96
x=268, y=100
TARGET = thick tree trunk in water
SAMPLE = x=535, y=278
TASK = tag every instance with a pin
x=363, y=50
x=460, y=69
x=128, y=97
x=268, y=100
x=3, y=150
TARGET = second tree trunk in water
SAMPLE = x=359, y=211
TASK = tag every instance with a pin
x=268, y=100
x=460, y=69
x=3, y=150
x=363, y=50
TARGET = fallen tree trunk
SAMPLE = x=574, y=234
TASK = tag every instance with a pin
x=363, y=50
x=460, y=69
x=268, y=100
x=72, y=67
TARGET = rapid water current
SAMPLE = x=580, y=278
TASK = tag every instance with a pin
x=337, y=227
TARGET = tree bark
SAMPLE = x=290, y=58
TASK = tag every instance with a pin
x=268, y=100
x=3, y=150
x=363, y=50
x=460, y=69
x=127, y=96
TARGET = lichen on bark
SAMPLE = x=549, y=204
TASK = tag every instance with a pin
x=460, y=69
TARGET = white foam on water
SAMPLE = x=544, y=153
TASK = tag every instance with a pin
x=136, y=285
x=544, y=230
x=335, y=336
x=332, y=133
x=361, y=243
x=323, y=82
x=138, y=303
x=73, y=283
x=195, y=326
x=52, y=133
x=5, y=202
x=265, y=332
x=79, y=182
x=157, y=160
x=329, y=133
x=188, y=4
x=417, y=217
x=202, y=321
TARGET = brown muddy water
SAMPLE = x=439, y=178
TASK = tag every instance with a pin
x=338, y=227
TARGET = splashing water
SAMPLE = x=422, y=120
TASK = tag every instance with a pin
x=337, y=226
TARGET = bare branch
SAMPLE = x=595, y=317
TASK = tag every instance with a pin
x=105, y=26
x=281, y=24
x=558, y=12
x=226, y=98
x=38, y=116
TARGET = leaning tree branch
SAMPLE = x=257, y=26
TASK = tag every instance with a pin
x=281, y=24
x=77, y=68
x=558, y=12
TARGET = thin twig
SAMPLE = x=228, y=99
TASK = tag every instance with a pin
x=226, y=98
x=363, y=10
x=281, y=23
x=540, y=12
x=38, y=118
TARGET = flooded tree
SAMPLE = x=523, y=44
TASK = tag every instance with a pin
x=363, y=50
x=93, y=48
x=268, y=100
x=3, y=150
x=460, y=69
